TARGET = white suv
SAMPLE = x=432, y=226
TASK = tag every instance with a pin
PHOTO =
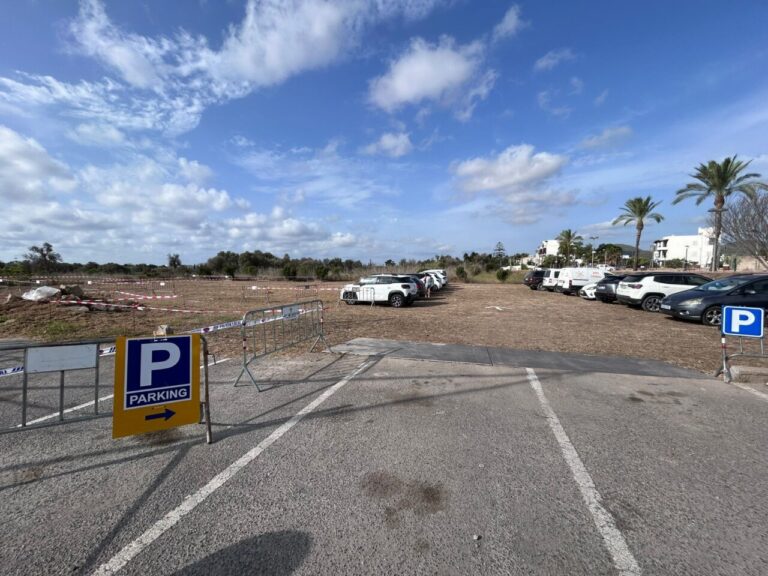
x=397, y=290
x=438, y=274
x=648, y=288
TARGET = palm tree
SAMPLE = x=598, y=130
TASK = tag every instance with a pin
x=568, y=241
x=719, y=181
x=637, y=210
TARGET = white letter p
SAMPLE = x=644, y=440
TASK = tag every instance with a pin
x=741, y=318
x=148, y=366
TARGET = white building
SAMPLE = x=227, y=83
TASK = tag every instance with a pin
x=698, y=248
x=546, y=248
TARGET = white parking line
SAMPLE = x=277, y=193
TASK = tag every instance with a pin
x=757, y=393
x=614, y=540
x=190, y=503
x=92, y=402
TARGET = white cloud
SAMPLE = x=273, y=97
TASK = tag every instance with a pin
x=100, y=135
x=393, y=145
x=515, y=167
x=553, y=58
x=165, y=83
x=139, y=60
x=607, y=138
x=600, y=99
x=444, y=72
x=27, y=172
x=577, y=85
x=544, y=99
x=193, y=171
x=322, y=175
x=510, y=25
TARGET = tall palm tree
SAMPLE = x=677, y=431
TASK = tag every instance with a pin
x=719, y=181
x=637, y=210
x=568, y=241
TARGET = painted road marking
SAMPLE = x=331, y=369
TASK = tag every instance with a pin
x=92, y=402
x=757, y=393
x=613, y=539
x=174, y=516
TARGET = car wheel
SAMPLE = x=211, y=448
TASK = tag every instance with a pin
x=651, y=303
x=713, y=316
x=350, y=302
x=396, y=301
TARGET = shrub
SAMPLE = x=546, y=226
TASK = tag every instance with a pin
x=502, y=275
x=461, y=273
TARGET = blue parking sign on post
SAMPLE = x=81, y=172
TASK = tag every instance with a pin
x=743, y=321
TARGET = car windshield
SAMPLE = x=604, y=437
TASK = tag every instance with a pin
x=724, y=284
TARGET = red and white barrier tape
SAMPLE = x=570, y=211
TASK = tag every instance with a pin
x=144, y=307
x=145, y=297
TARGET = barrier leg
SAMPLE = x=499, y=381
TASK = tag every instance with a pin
x=726, y=369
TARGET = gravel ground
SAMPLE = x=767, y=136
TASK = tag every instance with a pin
x=480, y=314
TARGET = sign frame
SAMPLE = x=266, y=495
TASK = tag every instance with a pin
x=161, y=415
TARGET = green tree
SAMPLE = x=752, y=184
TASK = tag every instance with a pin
x=719, y=180
x=569, y=242
x=389, y=263
x=499, y=252
x=637, y=210
x=174, y=261
x=43, y=258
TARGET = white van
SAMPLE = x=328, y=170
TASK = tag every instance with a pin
x=571, y=280
x=550, y=279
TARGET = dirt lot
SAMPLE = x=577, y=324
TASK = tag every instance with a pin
x=483, y=314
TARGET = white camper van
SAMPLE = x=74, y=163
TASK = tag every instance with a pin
x=571, y=280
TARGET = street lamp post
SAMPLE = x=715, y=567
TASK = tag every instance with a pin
x=593, y=250
x=685, y=263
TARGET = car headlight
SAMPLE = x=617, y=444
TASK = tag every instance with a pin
x=691, y=302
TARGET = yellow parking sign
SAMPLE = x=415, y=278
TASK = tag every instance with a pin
x=157, y=384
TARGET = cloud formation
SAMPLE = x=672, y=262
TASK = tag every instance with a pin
x=607, y=138
x=510, y=25
x=427, y=72
x=389, y=144
x=553, y=58
x=509, y=171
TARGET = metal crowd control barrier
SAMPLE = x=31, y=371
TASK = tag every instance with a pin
x=725, y=369
x=65, y=357
x=272, y=329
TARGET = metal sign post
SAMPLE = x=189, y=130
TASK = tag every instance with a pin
x=742, y=322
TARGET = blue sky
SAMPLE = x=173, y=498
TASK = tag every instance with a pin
x=367, y=130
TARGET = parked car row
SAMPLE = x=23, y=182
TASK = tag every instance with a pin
x=682, y=295
x=397, y=290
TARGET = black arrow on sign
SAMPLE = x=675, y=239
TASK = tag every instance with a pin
x=167, y=414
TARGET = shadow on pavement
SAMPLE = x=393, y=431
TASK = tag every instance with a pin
x=273, y=553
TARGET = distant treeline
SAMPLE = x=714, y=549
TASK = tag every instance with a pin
x=45, y=261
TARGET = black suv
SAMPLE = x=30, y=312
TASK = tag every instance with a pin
x=534, y=278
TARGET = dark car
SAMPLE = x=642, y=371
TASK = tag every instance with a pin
x=605, y=291
x=419, y=283
x=534, y=278
x=705, y=303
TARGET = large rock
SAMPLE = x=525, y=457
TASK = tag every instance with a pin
x=75, y=291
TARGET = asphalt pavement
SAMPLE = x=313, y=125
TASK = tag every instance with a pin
x=402, y=458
